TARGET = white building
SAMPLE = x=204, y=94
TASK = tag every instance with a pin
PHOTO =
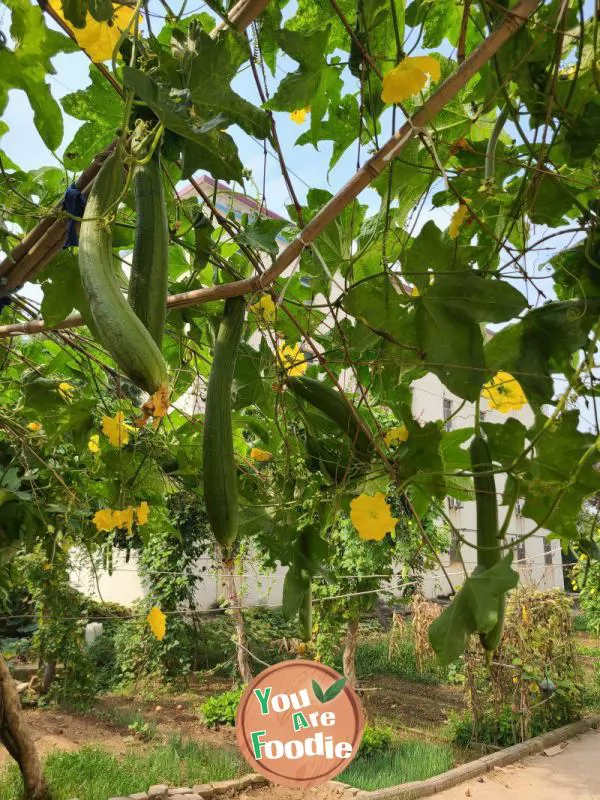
x=537, y=559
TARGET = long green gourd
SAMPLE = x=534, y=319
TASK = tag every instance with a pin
x=118, y=328
x=220, y=480
x=488, y=542
x=149, y=280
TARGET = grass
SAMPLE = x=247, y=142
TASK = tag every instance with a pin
x=404, y=762
x=94, y=774
x=372, y=659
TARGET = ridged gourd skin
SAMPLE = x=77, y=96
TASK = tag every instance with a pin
x=220, y=478
x=330, y=403
x=119, y=330
x=149, y=280
x=486, y=503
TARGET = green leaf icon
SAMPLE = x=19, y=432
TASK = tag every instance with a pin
x=330, y=693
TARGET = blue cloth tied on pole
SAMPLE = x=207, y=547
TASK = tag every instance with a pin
x=74, y=203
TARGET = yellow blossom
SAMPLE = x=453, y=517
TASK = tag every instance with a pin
x=256, y=454
x=98, y=39
x=457, y=220
x=504, y=393
x=143, y=512
x=299, y=115
x=66, y=390
x=409, y=77
x=124, y=518
x=396, y=436
x=264, y=309
x=371, y=516
x=158, y=622
x=414, y=292
x=104, y=520
x=47, y=567
x=292, y=359
x=116, y=429
x=34, y=426
x=94, y=443
x=524, y=615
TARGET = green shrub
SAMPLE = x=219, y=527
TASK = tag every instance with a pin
x=376, y=739
x=222, y=708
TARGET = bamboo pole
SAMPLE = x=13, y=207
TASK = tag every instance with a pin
x=511, y=23
x=21, y=263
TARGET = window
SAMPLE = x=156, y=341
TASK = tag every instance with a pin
x=308, y=354
x=518, y=509
x=454, y=503
x=519, y=549
x=447, y=412
x=481, y=416
x=548, y=552
x=454, y=551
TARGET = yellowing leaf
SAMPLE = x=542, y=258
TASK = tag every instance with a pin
x=457, y=220
x=158, y=622
x=299, y=115
x=103, y=520
x=396, y=436
x=143, y=512
x=156, y=406
x=116, y=429
x=256, y=454
x=409, y=78
x=34, y=426
x=371, y=516
x=292, y=359
x=504, y=393
x=98, y=39
x=264, y=309
x=94, y=443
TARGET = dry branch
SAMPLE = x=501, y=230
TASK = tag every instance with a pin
x=511, y=23
x=42, y=244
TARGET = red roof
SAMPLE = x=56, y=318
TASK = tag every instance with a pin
x=206, y=180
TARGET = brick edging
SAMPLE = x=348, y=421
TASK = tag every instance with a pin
x=200, y=791
x=415, y=789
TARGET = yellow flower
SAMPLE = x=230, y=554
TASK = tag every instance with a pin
x=124, y=518
x=457, y=220
x=292, y=359
x=104, y=520
x=34, y=426
x=414, y=292
x=409, y=77
x=504, y=393
x=299, y=115
x=158, y=622
x=371, y=516
x=143, y=512
x=66, y=390
x=47, y=567
x=396, y=435
x=94, y=443
x=256, y=454
x=524, y=615
x=264, y=309
x=98, y=39
x=116, y=429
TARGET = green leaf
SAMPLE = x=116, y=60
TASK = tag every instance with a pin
x=101, y=109
x=378, y=304
x=583, y=135
x=332, y=692
x=63, y=291
x=318, y=692
x=75, y=11
x=101, y=10
x=473, y=610
x=506, y=440
x=482, y=299
x=541, y=343
x=27, y=65
x=262, y=233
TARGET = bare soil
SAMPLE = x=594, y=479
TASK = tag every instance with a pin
x=409, y=707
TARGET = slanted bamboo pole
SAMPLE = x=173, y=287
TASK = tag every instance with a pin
x=511, y=23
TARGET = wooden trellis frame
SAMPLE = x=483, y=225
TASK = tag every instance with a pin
x=513, y=20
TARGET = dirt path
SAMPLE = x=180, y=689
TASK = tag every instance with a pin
x=573, y=774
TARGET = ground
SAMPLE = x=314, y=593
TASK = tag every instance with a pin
x=407, y=706
x=573, y=774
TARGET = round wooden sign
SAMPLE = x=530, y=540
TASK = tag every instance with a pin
x=299, y=724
